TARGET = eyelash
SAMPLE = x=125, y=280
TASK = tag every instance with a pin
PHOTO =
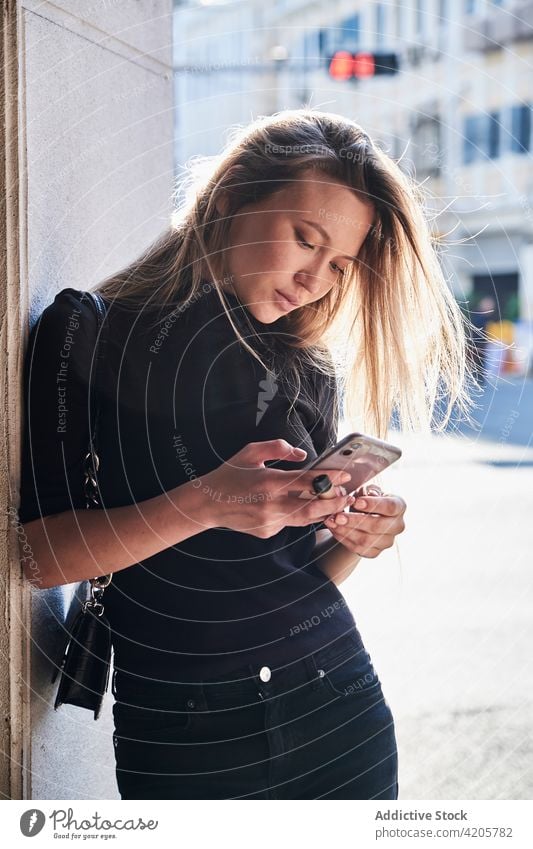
x=307, y=245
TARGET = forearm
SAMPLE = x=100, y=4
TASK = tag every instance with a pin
x=333, y=558
x=80, y=544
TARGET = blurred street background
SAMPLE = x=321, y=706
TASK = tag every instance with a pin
x=444, y=86
x=446, y=615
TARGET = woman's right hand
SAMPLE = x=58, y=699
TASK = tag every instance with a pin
x=245, y=495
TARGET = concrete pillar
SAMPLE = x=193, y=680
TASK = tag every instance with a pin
x=87, y=93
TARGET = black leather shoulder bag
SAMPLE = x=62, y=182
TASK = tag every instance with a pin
x=86, y=657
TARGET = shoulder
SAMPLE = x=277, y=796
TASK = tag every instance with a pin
x=64, y=331
x=69, y=303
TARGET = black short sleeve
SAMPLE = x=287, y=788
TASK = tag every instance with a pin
x=59, y=364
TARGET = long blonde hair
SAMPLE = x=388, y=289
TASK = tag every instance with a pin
x=391, y=332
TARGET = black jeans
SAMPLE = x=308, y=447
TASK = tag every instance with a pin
x=319, y=728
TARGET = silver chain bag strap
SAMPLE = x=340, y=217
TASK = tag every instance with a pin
x=86, y=657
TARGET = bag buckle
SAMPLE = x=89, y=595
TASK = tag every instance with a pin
x=98, y=585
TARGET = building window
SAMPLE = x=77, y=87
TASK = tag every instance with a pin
x=473, y=138
x=351, y=32
x=521, y=128
x=481, y=137
x=343, y=36
x=493, y=134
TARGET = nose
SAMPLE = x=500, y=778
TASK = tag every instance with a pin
x=314, y=279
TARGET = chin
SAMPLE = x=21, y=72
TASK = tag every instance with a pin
x=267, y=314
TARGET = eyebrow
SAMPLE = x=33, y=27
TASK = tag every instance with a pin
x=325, y=235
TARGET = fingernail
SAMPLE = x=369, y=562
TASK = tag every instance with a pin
x=342, y=520
x=361, y=502
x=342, y=490
x=345, y=477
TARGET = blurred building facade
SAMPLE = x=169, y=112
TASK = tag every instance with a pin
x=457, y=114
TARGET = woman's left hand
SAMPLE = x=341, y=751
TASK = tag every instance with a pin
x=367, y=530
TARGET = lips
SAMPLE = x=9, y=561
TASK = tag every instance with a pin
x=288, y=298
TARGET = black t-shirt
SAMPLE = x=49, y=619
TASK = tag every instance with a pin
x=178, y=400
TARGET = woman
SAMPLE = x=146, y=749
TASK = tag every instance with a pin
x=300, y=255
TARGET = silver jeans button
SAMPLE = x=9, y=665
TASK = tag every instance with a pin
x=265, y=673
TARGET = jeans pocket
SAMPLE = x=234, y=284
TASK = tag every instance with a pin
x=347, y=670
x=140, y=723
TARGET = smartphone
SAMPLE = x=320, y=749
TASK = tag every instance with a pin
x=361, y=455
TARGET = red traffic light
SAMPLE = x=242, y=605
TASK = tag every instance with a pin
x=344, y=65
x=364, y=65
x=341, y=65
